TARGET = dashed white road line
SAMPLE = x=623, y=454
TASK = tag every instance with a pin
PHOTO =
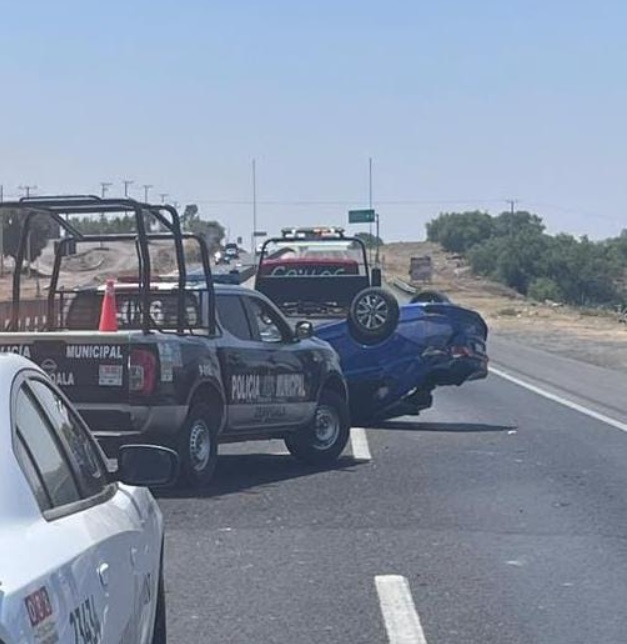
x=359, y=444
x=402, y=622
x=560, y=400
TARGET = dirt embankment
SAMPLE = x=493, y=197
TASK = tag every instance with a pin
x=581, y=334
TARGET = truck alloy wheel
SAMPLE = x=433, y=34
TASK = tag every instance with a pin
x=373, y=316
x=321, y=442
x=198, y=446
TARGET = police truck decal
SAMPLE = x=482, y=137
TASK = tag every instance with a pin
x=253, y=387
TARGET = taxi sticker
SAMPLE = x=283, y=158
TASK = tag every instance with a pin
x=41, y=616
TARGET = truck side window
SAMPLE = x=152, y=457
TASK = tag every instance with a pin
x=266, y=320
x=233, y=316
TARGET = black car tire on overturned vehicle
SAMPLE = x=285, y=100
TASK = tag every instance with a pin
x=373, y=315
x=430, y=297
x=321, y=442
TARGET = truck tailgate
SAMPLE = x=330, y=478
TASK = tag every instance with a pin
x=88, y=367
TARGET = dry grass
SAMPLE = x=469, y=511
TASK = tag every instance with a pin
x=583, y=334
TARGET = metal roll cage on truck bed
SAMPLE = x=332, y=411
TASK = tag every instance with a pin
x=59, y=206
x=166, y=368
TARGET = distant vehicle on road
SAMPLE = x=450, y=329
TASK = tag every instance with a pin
x=81, y=549
x=231, y=251
x=393, y=357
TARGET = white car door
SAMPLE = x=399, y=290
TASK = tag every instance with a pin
x=96, y=528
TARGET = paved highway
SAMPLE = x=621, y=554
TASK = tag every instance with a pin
x=498, y=516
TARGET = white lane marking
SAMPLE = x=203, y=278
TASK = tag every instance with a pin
x=399, y=612
x=562, y=401
x=279, y=451
x=359, y=444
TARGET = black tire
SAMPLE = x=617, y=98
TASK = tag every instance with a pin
x=160, y=632
x=373, y=315
x=198, y=446
x=324, y=440
x=433, y=297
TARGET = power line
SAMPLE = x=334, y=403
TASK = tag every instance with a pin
x=342, y=202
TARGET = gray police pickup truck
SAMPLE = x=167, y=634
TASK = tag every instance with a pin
x=188, y=367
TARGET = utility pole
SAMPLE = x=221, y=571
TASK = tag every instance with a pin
x=370, y=190
x=146, y=188
x=104, y=188
x=254, y=236
x=512, y=203
x=163, y=195
x=1, y=232
x=27, y=191
x=126, y=183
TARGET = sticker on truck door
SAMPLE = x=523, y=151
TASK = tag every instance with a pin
x=110, y=375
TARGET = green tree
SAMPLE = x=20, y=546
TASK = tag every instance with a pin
x=509, y=224
x=42, y=228
x=459, y=232
x=544, y=288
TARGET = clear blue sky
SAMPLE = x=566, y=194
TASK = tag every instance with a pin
x=461, y=104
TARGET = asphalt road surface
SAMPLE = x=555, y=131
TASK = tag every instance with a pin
x=498, y=516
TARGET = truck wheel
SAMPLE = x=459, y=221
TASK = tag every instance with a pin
x=373, y=316
x=198, y=446
x=324, y=440
x=430, y=297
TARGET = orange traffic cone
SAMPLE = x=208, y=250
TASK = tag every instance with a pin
x=108, y=314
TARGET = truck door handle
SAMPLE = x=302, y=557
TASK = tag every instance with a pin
x=103, y=574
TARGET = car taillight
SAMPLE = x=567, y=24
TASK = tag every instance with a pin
x=142, y=371
x=460, y=352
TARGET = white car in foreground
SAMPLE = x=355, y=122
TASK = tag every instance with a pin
x=81, y=550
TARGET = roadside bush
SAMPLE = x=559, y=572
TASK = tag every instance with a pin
x=544, y=288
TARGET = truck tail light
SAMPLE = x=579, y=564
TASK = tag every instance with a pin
x=142, y=371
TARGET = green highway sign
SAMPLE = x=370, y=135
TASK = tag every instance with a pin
x=361, y=216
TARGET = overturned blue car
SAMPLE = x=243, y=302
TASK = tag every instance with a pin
x=393, y=356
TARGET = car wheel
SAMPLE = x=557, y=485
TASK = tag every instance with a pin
x=373, y=315
x=159, y=634
x=321, y=442
x=198, y=446
x=433, y=297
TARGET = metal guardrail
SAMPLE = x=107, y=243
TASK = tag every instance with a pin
x=402, y=286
